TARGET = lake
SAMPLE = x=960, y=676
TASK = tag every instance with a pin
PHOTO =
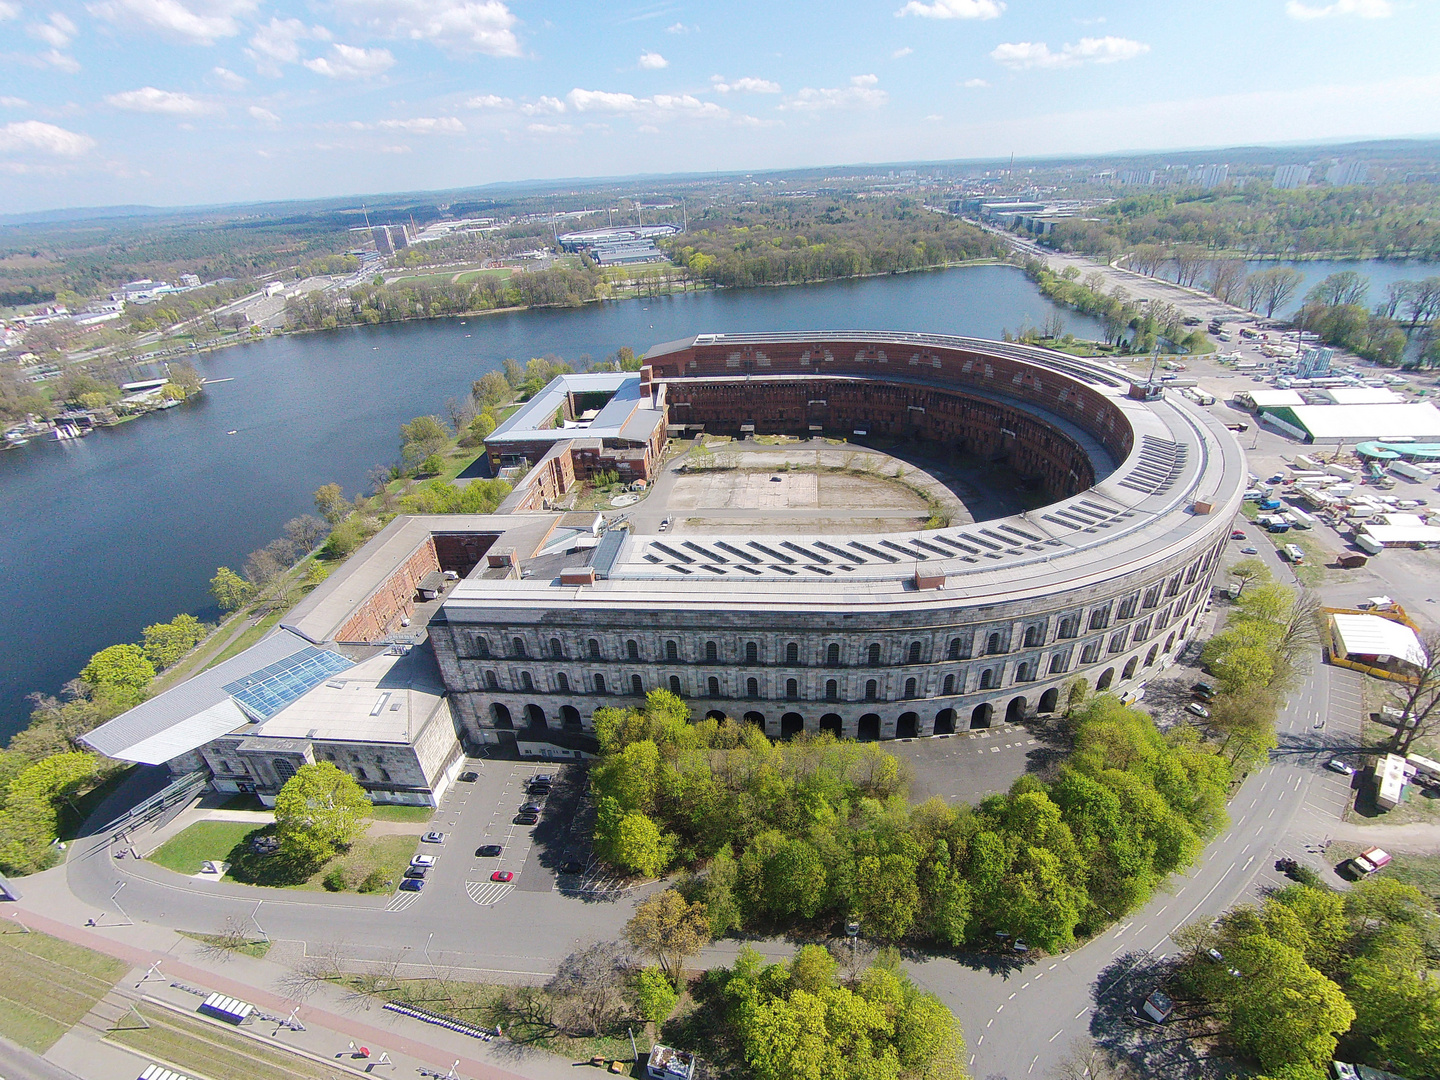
x=1379, y=272
x=111, y=533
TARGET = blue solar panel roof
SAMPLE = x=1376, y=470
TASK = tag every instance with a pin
x=265, y=692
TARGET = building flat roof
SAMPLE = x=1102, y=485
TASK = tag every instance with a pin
x=628, y=414
x=1370, y=635
x=1347, y=422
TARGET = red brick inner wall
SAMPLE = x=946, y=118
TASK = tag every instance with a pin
x=887, y=410
x=395, y=599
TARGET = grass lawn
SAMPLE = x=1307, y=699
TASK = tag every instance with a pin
x=248, y=638
x=201, y=1048
x=47, y=985
x=257, y=948
x=1422, y=871
x=389, y=854
x=418, y=814
x=205, y=840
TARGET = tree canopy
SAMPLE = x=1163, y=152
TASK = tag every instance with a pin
x=319, y=811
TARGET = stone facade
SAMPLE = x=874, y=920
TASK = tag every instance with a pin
x=394, y=600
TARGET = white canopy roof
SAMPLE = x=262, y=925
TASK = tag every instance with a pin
x=1370, y=635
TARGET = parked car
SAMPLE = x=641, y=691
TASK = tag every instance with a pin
x=503, y=875
x=1203, y=690
x=488, y=851
x=423, y=860
x=1237, y=534
x=1340, y=765
x=416, y=871
x=1249, y=551
x=541, y=778
x=665, y=524
x=572, y=868
x=469, y=777
x=526, y=819
x=433, y=838
x=530, y=808
x=1198, y=709
x=411, y=884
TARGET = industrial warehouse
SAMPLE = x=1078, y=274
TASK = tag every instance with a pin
x=547, y=616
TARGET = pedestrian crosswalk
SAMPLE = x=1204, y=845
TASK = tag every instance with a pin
x=402, y=900
x=488, y=893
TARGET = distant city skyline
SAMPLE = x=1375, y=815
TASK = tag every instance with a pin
x=173, y=102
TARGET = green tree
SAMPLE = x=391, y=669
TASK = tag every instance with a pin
x=887, y=896
x=431, y=466
x=121, y=666
x=165, y=643
x=670, y=930
x=812, y=969
x=655, y=995
x=229, y=589
x=490, y=389
x=1249, y=571
x=639, y=847
x=331, y=503
x=1282, y=1011
x=319, y=811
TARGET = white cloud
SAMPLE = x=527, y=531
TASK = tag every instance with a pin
x=544, y=107
x=196, y=22
x=57, y=33
x=653, y=61
x=1031, y=54
x=229, y=79
x=602, y=101
x=655, y=108
x=489, y=101
x=688, y=105
x=265, y=116
x=352, y=62
x=678, y=28
x=32, y=135
x=167, y=102
x=901, y=53
x=400, y=149
x=954, y=9
x=861, y=93
x=278, y=42
x=9, y=10
x=13, y=103
x=485, y=26
x=62, y=61
x=425, y=125
x=550, y=129
x=975, y=84
x=1362, y=9
x=746, y=85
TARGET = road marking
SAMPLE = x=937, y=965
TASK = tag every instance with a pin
x=990, y=1021
x=1027, y=983
x=1032, y=1064
x=994, y=749
x=1057, y=1035
x=488, y=893
x=1001, y=1006
x=1082, y=1012
x=402, y=900
x=981, y=1039
x=1011, y=997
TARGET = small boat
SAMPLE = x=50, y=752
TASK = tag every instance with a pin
x=233, y=432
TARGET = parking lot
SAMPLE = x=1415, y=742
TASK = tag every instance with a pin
x=483, y=812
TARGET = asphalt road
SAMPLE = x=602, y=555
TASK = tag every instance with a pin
x=17, y=1063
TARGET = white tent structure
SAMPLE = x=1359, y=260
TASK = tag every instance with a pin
x=1371, y=639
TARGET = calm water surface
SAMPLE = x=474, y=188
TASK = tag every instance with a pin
x=108, y=534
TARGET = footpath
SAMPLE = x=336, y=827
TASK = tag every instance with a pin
x=168, y=970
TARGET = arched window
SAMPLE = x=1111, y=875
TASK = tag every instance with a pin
x=491, y=682
x=1067, y=627
x=1032, y=636
x=518, y=647
x=792, y=689
x=712, y=652
x=600, y=684
x=1022, y=673
x=1130, y=668
x=632, y=649
x=752, y=688
x=557, y=651
x=832, y=655
x=792, y=653
x=954, y=651
x=872, y=690
x=752, y=652
x=874, y=654
x=672, y=651
x=909, y=688
x=832, y=690
x=713, y=685
x=360, y=773
x=482, y=648
x=914, y=657
x=675, y=685
x=1150, y=656
x=992, y=645
x=1090, y=652
x=594, y=649
x=1103, y=683
x=562, y=682
x=526, y=682
x=949, y=685
x=987, y=678
x=637, y=686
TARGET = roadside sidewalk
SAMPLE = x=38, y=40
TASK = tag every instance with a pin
x=332, y=1018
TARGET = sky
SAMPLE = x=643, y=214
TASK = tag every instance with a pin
x=184, y=102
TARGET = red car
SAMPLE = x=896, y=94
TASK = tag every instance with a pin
x=503, y=875
x=1236, y=534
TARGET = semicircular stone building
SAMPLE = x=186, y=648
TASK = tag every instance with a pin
x=875, y=636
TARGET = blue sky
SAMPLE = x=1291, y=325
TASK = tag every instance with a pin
x=205, y=101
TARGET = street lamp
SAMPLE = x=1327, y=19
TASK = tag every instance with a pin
x=256, y=921
x=128, y=921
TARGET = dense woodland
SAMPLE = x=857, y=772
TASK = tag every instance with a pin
x=780, y=835
x=787, y=241
x=1368, y=221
